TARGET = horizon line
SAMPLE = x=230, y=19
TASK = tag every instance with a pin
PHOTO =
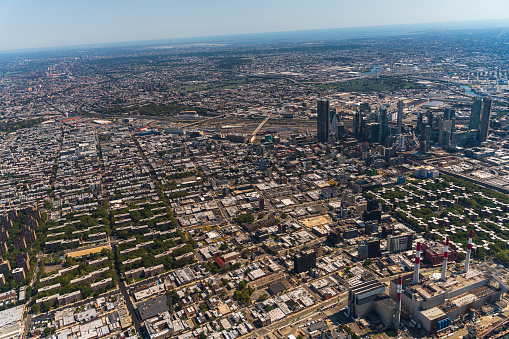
x=181, y=40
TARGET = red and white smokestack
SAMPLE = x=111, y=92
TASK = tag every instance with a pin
x=399, y=289
x=417, y=264
x=397, y=316
x=469, y=250
x=446, y=255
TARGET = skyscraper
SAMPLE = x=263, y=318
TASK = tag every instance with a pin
x=384, y=125
x=364, y=108
x=400, y=115
x=449, y=113
x=357, y=123
x=362, y=131
x=430, y=119
x=445, y=130
x=475, y=115
x=334, y=126
x=424, y=139
x=419, y=123
x=323, y=120
x=485, y=119
x=374, y=132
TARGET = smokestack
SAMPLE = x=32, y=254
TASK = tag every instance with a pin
x=417, y=264
x=469, y=250
x=397, y=316
x=446, y=255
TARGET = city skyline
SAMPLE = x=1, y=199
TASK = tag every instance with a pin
x=34, y=25
x=306, y=184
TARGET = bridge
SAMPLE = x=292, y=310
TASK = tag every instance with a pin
x=253, y=136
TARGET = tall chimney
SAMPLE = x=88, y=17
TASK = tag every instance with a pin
x=397, y=316
x=417, y=263
x=446, y=255
x=469, y=250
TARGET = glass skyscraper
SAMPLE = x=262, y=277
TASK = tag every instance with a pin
x=323, y=120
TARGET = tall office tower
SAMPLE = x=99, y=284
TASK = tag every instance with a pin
x=428, y=138
x=485, y=120
x=453, y=131
x=362, y=131
x=424, y=139
x=384, y=125
x=334, y=126
x=449, y=116
x=475, y=115
x=430, y=119
x=374, y=132
x=323, y=120
x=364, y=108
x=419, y=124
x=445, y=133
x=400, y=115
x=449, y=113
x=357, y=123
x=341, y=130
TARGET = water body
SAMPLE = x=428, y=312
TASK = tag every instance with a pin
x=376, y=71
x=469, y=91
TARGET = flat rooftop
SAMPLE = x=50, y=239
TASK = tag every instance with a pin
x=152, y=307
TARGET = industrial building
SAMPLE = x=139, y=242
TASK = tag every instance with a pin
x=435, y=300
x=368, y=296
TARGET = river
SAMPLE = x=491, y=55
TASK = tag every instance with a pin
x=469, y=91
x=376, y=71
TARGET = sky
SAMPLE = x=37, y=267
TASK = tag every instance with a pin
x=27, y=24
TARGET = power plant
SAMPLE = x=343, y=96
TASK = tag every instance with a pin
x=399, y=289
x=417, y=264
x=444, y=263
x=434, y=301
x=469, y=250
x=437, y=300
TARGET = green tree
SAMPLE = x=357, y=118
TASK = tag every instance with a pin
x=481, y=253
x=36, y=308
x=244, y=218
x=135, y=216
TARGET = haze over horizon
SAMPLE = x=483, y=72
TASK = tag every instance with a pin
x=30, y=24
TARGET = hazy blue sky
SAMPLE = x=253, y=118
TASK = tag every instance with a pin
x=44, y=23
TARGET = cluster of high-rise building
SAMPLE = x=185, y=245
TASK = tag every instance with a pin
x=431, y=128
